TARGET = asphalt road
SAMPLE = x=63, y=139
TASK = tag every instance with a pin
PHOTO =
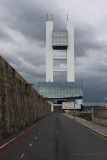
x=56, y=138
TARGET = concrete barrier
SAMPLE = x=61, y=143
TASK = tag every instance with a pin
x=99, y=115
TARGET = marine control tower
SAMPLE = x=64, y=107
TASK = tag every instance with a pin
x=69, y=90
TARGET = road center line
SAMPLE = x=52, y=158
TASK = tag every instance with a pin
x=30, y=144
x=22, y=155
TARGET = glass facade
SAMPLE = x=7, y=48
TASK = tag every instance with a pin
x=61, y=89
x=60, y=38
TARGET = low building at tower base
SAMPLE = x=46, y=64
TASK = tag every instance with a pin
x=65, y=92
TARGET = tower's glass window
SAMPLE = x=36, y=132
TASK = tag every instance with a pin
x=61, y=89
x=60, y=39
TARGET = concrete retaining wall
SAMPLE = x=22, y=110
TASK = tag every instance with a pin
x=20, y=104
x=99, y=115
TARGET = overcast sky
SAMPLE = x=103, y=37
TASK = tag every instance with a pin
x=22, y=39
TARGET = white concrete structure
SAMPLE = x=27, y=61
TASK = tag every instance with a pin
x=70, y=52
x=49, y=51
x=50, y=101
x=69, y=48
x=67, y=91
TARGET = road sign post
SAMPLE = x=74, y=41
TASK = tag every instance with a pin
x=74, y=109
x=76, y=101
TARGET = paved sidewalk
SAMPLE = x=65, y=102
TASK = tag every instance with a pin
x=102, y=130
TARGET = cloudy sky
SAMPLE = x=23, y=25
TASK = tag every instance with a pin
x=22, y=39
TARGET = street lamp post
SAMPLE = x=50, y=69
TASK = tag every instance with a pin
x=74, y=109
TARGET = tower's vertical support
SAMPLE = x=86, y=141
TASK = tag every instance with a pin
x=49, y=52
x=70, y=52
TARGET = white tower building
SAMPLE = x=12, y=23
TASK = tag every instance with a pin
x=67, y=91
x=59, y=40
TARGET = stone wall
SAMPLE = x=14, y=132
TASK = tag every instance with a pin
x=20, y=104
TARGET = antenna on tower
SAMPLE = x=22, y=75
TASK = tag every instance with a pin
x=47, y=16
x=52, y=17
x=67, y=16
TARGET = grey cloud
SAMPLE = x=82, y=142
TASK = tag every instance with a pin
x=28, y=17
x=4, y=36
x=86, y=39
x=57, y=64
x=60, y=76
x=33, y=57
x=100, y=67
x=94, y=90
x=12, y=60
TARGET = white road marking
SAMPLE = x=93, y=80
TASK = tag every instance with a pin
x=36, y=137
x=7, y=143
x=22, y=155
x=30, y=144
x=39, y=133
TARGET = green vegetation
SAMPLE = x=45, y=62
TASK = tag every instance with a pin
x=87, y=118
x=8, y=134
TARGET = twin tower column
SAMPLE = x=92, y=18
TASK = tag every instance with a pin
x=49, y=52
